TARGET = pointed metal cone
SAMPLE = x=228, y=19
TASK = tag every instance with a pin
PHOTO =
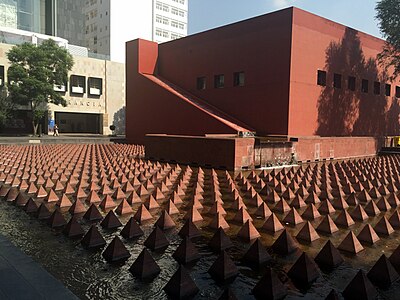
x=359, y=213
x=123, y=208
x=93, y=238
x=4, y=190
x=351, y=244
x=304, y=270
x=312, y=198
x=165, y=222
x=171, y=208
x=217, y=208
x=368, y=235
x=189, y=230
x=73, y=229
x=269, y=287
x=242, y=216
x=263, y=211
x=344, y=220
x=218, y=221
x=42, y=212
x=92, y=214
x=156, y=240
x=327, y=225
x=110, y=221
x=248, y=232
x=360, y=288
x=105, y=190
x=93, y=197
x=41, y=192
x=284, y=244
x=69, y=189
x=116, y=251
x=333, y=295
x=181, y=285
x=352, y=199
x=298, y=202
x=77, y=208
x=30, y=206
x=119, y=194
x=144, y=267
x=51, y=196
x=329, y=257
x=80, y=193
x=21, y=200
x=395, y=219
x=293, y=217
x=281, y=206
x=237, y=204
x=12, y=194
x=151, y=203
x=311, y=212
x=340, y=203
x=371, y=209
x=307, y=233
x=131, y=230
x=142, y=214
x=107, y=203
x=176, y=198
x=64, y=202
x=223, y=269
x=56, y=220
x=326, y=208
x=383, y=226
x=383, y=204
x=393, y=200
x=134, y=198
x=272, y=224
x=256, y=255
x=186, y=252
x=395, y=258
x=220, y=241
x=383, y=274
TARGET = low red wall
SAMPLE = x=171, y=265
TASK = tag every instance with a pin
x=319, y=148
x=218, y=152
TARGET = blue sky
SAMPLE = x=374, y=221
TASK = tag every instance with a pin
x=207, y=14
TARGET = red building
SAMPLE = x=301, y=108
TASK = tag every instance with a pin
x=310, y=81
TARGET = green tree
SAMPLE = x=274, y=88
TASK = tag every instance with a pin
x=33, y=72
x=388, y=15
x=6, y=106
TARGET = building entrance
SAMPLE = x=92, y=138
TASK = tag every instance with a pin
x=78, y=122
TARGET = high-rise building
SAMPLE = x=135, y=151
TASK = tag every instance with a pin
x=103, y=26
x=109, y=24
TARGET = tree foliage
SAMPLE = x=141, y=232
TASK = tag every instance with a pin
x=6, y=106
x=388, y=15
x=33, y=72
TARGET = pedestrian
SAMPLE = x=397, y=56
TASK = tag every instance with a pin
x=55, y=130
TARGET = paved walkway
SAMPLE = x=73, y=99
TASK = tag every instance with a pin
x=62, y=139
x=22, y=278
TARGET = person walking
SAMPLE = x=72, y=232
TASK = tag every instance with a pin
x=55, y=130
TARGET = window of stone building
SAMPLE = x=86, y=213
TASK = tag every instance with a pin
x=351, y=83
x=388, y=89
x=321, y=78
x=337, y=81
x=77, y=84
x=364, y=86
x=238, y=79
x=95, y=86
x=201, y=83
x=1, y=75
x=219, y=81
x=377, y=88
x=397, y=91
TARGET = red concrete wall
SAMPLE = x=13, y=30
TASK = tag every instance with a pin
x=226, y=153
x=260, y=47
x=152, y=109
x=320, y=44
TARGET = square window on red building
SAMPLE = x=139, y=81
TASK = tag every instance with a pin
x=351, y=84
x=397, y=91
x=388, y=89
x=377, y=88
x=337, y=81
x=201, y=83
x=238, y=79
x=364, y=86
x=321, y=78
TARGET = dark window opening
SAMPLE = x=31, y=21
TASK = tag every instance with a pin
x=1, y=75
x=337, y=81
x=238, y=79
x=397, y=91
x=377, y=88
x=77, y=84
x=321, y=78
x=364, y=86
x=95, y=86
x=219, y=81
x=352, y=83
x=201, y=83
x=388, y=89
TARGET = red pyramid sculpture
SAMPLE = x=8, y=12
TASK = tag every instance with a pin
x=165, y=221
x=181, y=285
x=383, y=274
x=248, y=232
x=360, y=288
x=186, y=252
x=351, y=244
x=220, y=241
x=304, y=270
x=73, y=229
x=270, y=287
x=116, y=251
x=145, y=267
x=110, y=221
x=223, y=269
x=329, y=257
x=256, y=255
x=92, y=214
x=190, y=230
x=93, y=238
x=156, y=240
x=131, y=230
x=307, y=233
x=284, y=244
x=123, y=208
x=142, y=214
